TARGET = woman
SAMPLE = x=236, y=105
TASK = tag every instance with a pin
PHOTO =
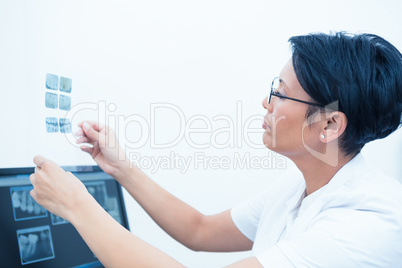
x=337, y=93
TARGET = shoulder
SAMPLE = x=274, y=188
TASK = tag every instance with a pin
x=363, y=217
x=373, y=188
x=376, y=192
x=360, y=185
x=359, y=194
x=370, y=197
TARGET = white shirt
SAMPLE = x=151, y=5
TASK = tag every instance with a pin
x=353, y=221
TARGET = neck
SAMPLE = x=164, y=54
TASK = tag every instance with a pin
x=317, y=172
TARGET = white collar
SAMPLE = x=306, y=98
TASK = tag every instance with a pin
x=350, y=170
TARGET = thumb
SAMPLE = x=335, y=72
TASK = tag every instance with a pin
x=39, y=160
x=93, y=135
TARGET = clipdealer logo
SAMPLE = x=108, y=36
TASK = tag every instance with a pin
x=200, y=160
x=199, y=132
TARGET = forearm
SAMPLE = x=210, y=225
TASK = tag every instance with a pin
x=113, y=244
x=174, y=216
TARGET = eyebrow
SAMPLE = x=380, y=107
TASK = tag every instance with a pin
x=283, y=83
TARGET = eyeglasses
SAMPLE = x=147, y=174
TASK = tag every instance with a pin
x=274, y=86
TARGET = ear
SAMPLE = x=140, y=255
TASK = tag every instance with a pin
x=335, y=126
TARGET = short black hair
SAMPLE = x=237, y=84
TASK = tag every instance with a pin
x=362, y=73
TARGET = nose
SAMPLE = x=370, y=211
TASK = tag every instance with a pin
x=265, y=103
x=267, y=106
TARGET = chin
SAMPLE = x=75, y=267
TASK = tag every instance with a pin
x=268, y=144
x=267, y=140
x=277, y=149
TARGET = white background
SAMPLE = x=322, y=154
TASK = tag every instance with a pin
x=204, y=58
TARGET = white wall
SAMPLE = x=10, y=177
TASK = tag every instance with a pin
x=203, y=58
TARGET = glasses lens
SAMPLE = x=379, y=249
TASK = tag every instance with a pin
x=275, y=84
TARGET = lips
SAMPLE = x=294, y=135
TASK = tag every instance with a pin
x=265, y=124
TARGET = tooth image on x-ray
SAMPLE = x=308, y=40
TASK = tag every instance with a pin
x=52, y=125
x=65, y=126
x=35, y=244
x=52, y=81
x=64, y=102
x=56, y=220
x=65, y=84
x=24, y=206
x=51, y=100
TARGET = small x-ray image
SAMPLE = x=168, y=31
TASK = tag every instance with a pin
x=64, y=102
x=24, y=206
x=35, y=244
x=65, y=84
x=52, y=82
x=56, y=220
x=51, y=100
x=98, y=191
x=65, y=125
x=52, y=125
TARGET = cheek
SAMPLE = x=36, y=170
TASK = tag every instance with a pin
x=311, y=134
x=289, y=131
x=290, y=127
x=286, y=123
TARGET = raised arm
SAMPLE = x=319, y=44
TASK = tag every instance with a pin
x=178, y=219
x=181, y=221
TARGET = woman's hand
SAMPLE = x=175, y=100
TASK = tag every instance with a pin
x=58, y=191
x=105, y=149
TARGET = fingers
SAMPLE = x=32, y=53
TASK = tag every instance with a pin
x=87, y=133
x=37, y=169
x=39, y=160
x=92, y=124
x=87, y=149
x=92, y=132
x=82, y=140
x=32, y=179
x=79, y=132
x=94, y=135
x=42, y=162
x=33, y=194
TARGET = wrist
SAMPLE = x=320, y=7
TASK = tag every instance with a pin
x=125, y=172
x=80, y=207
